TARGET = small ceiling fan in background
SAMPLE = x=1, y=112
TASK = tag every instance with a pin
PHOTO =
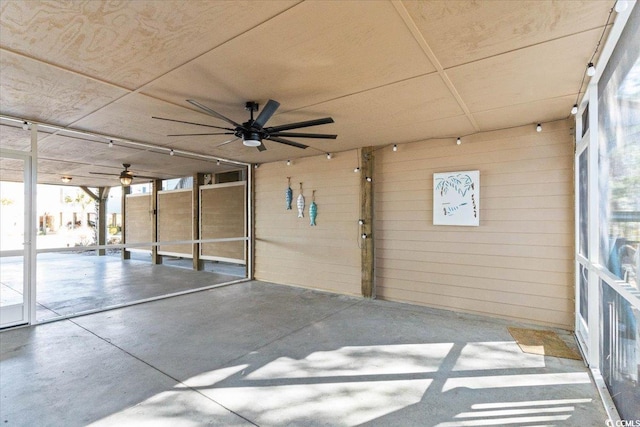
x=253, y=131
x=126, y=176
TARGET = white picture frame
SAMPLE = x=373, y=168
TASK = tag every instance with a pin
x=456, y=198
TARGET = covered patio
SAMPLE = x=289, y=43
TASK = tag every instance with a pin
x=264, y=354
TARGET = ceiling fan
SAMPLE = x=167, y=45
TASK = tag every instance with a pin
x=126, y=176
x=253, y=131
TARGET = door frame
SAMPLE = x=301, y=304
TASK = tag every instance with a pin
x=28, y=251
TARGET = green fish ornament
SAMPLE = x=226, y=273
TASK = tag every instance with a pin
x=313, y=209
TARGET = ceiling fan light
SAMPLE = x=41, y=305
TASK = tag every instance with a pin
x=252, y=139
x=126, y=178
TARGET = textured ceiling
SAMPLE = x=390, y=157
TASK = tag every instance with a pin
x=386, y=71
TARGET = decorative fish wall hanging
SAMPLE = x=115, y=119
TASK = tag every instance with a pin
x=288, y=194
x=313, y=209
x=300, y=204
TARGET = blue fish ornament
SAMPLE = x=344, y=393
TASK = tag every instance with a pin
x=288, y=194
x=313, y=209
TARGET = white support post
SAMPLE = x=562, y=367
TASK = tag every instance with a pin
x=31, y=207
x=250, y=221
x=593, y=300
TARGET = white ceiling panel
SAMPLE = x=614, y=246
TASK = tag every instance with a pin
x=127, y=43
x=386, y=71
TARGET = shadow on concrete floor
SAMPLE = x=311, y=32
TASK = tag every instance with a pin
x=257, y=353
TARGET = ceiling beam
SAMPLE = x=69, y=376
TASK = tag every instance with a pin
x=411, y=25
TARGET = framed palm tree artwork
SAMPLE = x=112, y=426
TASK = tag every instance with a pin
x=456, y=198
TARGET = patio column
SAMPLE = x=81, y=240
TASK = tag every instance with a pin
x=125, y=190
x=157, y=185
x=198, y=180
x=366, y=216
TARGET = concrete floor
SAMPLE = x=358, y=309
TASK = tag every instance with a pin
x=70, y=283
x=256, y=353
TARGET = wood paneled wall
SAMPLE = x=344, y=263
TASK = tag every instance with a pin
x=518, y=264
x=139, y=220
x=223, y=215
x=290, y=251
x=174, y=221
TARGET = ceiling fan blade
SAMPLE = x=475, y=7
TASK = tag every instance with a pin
x=145, y=177
x=275, y=129
x=212, y=113
x=191, y=123
x=200, y=134
x=266, y=113
x=287, y=142
x=305, y=135
x=261, y=147
x=226, y=142
x=102, y=173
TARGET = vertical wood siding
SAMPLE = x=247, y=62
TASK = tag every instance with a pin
x=139, y=220
x=222, y=215
x=174, y=221
x=518, y=263
x=290, y=251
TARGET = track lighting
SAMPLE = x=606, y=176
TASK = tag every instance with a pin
x=395, y=147
x=369, y=179
x=574, y=109
x=110, y=144
x=621, y=6
x=458, y=141
x=65, y=179
x=25, y=126
x=171, y=153
x=364, y=236
x=356, y=170
x=591, y=69
x=256, y=166
x=361, y=221
x=288, y=162
x=539, y=128
x=217, y=162
x=329, y=156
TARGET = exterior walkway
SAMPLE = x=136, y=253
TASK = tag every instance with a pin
x=256, y=353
